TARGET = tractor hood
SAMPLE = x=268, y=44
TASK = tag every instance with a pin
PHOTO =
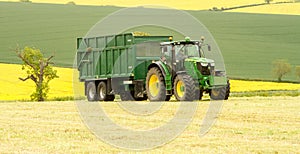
x=204, y=61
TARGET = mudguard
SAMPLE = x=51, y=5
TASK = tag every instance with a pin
x=166, y=73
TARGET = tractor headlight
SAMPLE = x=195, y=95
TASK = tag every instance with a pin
x=204, y=64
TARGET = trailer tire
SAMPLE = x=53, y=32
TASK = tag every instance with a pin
x=91, y=92
x=155, y=85
x=184, y=88
x=102, y=92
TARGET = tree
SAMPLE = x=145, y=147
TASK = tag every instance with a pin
x=71, y=3
x=38, y=69
x=268, y=1
x=280, y=68
x=297, y=71
x=25, y=1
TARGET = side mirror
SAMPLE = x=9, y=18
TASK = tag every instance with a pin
x=208, y=47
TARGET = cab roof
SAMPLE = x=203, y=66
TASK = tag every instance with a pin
x=180, y=42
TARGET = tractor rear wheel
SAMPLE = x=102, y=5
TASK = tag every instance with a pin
x=184, y=88
x=91, y=92
x=220, y=93
x=155, y=86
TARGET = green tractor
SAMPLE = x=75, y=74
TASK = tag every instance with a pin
x=184, y=71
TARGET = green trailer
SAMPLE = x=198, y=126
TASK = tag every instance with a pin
x=147, y=67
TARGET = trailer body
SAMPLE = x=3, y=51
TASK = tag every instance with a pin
x=119, y=59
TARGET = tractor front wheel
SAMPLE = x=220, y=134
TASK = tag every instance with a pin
x=220, y=93
x=155, y=86
x=184, y=88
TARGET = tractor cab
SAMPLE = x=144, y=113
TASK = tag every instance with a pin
x=177, y=54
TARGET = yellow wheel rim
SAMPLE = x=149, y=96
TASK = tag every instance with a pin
x=180, y=88
x=154, y=85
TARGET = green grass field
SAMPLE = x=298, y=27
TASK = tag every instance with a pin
x=249, y=42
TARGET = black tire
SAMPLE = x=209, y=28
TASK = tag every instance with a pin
x=91, y=92
x=227, y=90
x=189, y=89
x=160, y=95
x=168, y=97
x=220, y=93
x=199, y=94
x=102, y=92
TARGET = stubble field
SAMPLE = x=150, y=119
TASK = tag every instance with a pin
x=244, y=125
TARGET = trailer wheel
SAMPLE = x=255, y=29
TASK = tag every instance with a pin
x=184, y=88
x=220, y=93
x=102, y=92
x=155, y=86
x=91, y=92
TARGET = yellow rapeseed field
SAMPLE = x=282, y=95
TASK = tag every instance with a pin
x=246, y=86
x=289, y=9
x=178, y=4
x=14, y=89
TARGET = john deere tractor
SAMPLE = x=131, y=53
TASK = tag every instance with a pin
x=184, y=71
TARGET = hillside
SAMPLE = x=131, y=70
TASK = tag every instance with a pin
x=185, y=5
x=288, y=9
x=249, y=42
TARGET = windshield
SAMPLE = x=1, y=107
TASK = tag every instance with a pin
x=187, y=50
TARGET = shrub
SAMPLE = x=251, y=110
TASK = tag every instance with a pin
x=25, y=1
x=71, y=3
